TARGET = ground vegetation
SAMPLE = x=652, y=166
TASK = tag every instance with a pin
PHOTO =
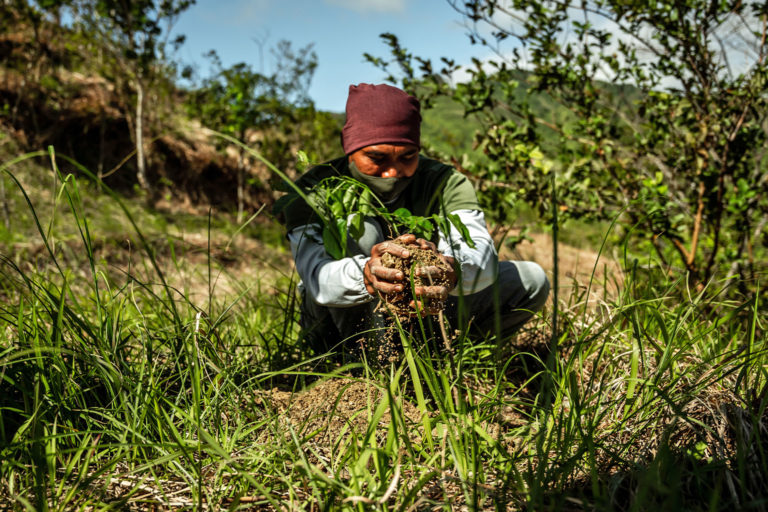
x=150, y=353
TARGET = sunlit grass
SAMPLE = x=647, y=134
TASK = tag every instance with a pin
x=165, y=379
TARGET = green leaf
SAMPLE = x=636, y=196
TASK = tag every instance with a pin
x=331, y=243
x=341, y=230
x=302, y=161
x=357, y=226
x=402, y=213
x=425, y=228
x=456, y=221
x=366, y=206
x=349, y=198
x=335, y=203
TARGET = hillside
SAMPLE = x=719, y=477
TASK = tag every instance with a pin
x=80, y=113
x=54, y=93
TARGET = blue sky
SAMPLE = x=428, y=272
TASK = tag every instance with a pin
x=341, y=30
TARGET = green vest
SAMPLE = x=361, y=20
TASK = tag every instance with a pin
x=435, y=188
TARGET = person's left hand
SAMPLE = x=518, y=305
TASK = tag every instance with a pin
x=426, y=297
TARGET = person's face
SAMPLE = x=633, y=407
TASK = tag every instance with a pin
x=387, y=160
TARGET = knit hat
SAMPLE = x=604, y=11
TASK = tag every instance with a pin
x=380, y=114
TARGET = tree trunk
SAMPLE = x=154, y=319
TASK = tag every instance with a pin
x=102, y=130
x=141, y=171
x=4, y=199
x=240, y=187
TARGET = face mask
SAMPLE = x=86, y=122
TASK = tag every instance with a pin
x=387, y=189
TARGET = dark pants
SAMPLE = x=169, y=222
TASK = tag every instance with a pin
x=520, y=290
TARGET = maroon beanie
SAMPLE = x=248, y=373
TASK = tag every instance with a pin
x=380, y=114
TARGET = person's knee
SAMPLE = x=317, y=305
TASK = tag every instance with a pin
x=535, y=281
x=541, y=287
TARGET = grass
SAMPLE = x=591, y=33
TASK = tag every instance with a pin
x=135, y=382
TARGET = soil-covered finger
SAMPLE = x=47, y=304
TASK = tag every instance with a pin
x=388, y=288
x=432, y=272
x=431, y=292
x=408, y=238
x=425, y=245
x=394, y=249
x=386, y=273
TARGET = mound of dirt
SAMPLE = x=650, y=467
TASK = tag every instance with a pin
x=333, y=409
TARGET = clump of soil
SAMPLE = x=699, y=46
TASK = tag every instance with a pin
x=399, y=304
x=396, y=308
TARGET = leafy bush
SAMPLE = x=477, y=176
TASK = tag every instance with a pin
x=680, y=158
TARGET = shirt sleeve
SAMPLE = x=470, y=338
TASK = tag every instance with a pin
x=479, y=264
x=333, y=283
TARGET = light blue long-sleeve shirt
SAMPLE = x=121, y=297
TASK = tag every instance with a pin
x=339, y=283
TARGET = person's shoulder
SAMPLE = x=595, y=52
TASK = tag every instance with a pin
x=317, y=173
x=431, y=173
x=432, y=166
x=454, y=188
x=291, y=208
x=436, y=174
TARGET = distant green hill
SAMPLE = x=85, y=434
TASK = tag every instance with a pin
x=448, y=131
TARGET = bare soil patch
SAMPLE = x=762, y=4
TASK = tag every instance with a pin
x=578, y=269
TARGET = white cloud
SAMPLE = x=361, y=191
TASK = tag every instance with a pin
x=250, y=11
x=230, y=13
x=385, y=6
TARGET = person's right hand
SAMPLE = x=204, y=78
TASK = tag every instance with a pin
x=384, y=280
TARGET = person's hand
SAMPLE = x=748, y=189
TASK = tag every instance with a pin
x=384, y=280
x=436, y=280
x=441, y=279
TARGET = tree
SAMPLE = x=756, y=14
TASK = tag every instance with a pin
x=683, y=157
x=233, y=101
x=240, y=102
x=135, y=34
